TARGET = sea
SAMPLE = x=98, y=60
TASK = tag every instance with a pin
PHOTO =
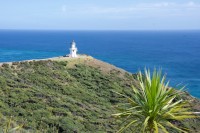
x=177, y=53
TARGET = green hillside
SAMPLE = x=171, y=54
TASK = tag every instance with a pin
x=73, y=95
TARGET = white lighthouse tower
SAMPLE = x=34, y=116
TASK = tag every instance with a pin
x=73, y=50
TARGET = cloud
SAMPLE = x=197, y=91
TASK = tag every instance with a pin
x=191, y=3
x=134, y=10
x=139, y=6
x=63, y=8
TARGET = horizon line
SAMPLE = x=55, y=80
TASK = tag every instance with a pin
x=99, y=29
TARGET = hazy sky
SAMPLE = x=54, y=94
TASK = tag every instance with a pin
x=100, y=15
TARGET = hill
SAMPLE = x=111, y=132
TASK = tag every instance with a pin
x=67, y=95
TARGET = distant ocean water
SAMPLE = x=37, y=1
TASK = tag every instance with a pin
x=176, y=52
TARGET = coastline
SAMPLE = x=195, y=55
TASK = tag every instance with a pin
x=58, y=58
x=81, y=59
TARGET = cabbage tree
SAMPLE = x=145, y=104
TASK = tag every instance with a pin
x=154, y=107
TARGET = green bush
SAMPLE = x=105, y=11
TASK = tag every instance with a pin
x=51, y=96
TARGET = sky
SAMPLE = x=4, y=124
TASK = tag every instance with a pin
x=100, y=14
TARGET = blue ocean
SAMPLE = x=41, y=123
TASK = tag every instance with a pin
x=176, y=52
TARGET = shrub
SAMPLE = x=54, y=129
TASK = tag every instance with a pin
x=154, y=107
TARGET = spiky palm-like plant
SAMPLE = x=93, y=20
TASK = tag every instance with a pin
x=153, y=107
x=7, y=126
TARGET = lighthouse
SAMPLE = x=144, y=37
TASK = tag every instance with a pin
x=73, y=50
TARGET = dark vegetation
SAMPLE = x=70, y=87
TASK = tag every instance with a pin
x=49, y=96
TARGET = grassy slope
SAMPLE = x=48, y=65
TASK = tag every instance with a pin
x=72, y=96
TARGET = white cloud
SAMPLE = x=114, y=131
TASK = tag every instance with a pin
x=136, y=10
x=139, y=6
x=63, y=8
x=191, y=3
